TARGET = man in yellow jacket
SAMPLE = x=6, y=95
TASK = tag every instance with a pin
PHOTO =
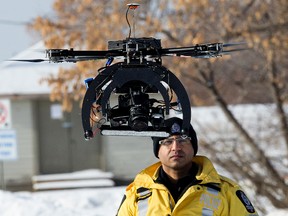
x=182, y=183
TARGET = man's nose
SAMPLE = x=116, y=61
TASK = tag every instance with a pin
x=176, y=145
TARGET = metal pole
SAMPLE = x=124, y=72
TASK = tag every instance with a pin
x=3, y=187
x=70, y=143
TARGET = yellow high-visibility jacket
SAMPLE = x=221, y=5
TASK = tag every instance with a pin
x=215, y=195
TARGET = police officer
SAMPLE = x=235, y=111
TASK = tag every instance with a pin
x=182, y=183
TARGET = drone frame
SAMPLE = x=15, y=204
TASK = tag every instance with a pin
x=142, y=63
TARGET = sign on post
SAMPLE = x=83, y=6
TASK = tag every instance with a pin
x=8, y=145
x=5, y=114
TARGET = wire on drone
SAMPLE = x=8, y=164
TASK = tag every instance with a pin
x=131, y=6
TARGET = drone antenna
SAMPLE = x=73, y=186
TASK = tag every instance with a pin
x=131, y=6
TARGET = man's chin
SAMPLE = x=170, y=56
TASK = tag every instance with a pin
x=177, y=162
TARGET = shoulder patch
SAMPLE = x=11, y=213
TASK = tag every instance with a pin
x=245, y=201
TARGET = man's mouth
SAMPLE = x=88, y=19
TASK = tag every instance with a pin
x=176, y=156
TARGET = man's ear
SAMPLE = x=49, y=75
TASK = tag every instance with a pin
x=158, y=151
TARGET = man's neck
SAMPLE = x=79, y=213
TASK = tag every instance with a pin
x=175, y=174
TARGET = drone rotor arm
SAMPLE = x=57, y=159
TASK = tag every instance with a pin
x=202, y=50
x=70, y=55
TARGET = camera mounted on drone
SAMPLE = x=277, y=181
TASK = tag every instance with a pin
x=137, y=81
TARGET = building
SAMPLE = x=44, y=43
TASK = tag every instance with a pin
x=50, y=141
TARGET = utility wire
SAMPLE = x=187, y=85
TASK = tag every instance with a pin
x=12, y=22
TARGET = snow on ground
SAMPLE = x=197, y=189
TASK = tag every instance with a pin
x=74, y=202
x=88, y=200
x=78, y=179
x=91, y=193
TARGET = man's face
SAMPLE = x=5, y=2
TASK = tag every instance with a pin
x=176, y=153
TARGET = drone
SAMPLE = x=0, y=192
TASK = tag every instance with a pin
x=136, y=81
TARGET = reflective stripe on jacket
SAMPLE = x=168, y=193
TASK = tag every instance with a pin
x=215, y=195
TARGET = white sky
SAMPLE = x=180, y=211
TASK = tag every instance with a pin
x=14, y=37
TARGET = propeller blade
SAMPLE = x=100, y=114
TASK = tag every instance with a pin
x=226, y=52
x=234, y=44
x=29, y=60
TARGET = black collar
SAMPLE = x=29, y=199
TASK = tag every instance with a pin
x=162, y=176
x=177, y=189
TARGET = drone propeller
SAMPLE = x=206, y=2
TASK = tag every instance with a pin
x=203, y=50
x=242, y=46
x=234, y=44
x=227, y=52
x=29, y=60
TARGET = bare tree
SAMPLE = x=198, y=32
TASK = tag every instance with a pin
x=267, y=39
x=246, y=162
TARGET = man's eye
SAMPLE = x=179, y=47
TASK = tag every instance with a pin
x=168, y=142
x=182, y=141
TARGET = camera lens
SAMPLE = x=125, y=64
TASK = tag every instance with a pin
x=138, y=119
x=139, y=124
